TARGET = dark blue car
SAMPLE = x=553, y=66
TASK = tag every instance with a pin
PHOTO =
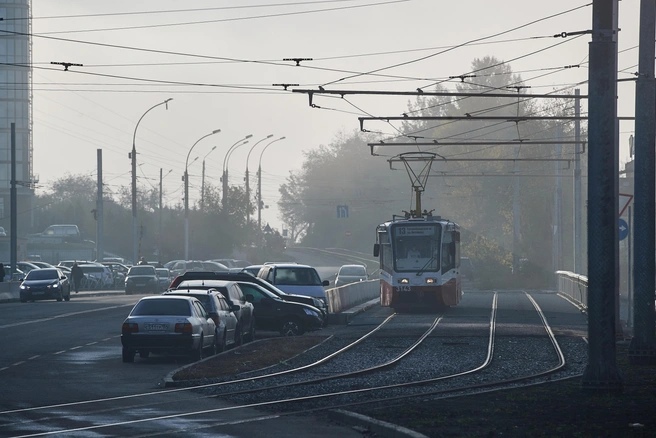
x=45, y=284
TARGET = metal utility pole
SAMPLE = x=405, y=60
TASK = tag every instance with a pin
x=558, y=208
x=100, y=251
x=13, y=205
x=578, y=232
x=601, y=372
x=159, y=228
x=643, y=346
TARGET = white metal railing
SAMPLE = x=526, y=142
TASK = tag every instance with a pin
x=574, y=286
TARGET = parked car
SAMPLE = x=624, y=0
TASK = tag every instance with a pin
x=96, y=276
x=241, y=277
x=252, y=269
x=295, y=278
x=169, y=325
x=182, y=266
x=26, y=266
x=232, y=263
x=235, y=296
x=274, y=313
x=45, y=284
x=142, y=279
x=164, y=278
x=41, y=264
x=351, y=274
x=119, y=272
x=220, y=310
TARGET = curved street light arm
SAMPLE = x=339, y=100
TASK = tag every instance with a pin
x=216, y=131
x=134, y=136
x=248, y=157
x=237, y=144
x=265, y=148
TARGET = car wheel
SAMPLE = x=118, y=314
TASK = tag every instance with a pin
x=144, y=354
x=197, y=354
x=291, y=327
x=128, y=355
x=59, y=297
x=67, y=297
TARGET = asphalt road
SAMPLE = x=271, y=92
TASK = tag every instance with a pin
x=69, y=354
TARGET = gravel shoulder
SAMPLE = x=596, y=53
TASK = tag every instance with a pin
x=556, y=409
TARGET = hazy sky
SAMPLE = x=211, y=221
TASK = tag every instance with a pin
x=218, y=60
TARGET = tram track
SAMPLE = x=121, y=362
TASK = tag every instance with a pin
x=320, y=398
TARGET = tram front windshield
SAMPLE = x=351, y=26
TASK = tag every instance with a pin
x=416, y=247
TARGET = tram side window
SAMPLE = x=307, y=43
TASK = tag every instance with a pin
x=448, y=252
x=386, y=259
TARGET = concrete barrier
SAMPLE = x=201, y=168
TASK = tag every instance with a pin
x=9, y=291
x=350, y=295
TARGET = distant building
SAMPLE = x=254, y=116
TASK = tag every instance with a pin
x=16, y=107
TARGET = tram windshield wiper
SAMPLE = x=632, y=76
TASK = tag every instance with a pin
x=426, y=265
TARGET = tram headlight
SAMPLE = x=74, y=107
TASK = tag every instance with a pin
x=404, y=280
x=431, y=280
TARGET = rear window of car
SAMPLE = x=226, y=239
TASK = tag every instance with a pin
x=166, y=307
x=141, y=270
x=352, y=270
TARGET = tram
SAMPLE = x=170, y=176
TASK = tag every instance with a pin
x=419, y=262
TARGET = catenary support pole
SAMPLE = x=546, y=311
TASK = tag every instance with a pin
x=100, y=251
x=642, y=348
x=603, y=247
x=13, y=204
x=578, y=206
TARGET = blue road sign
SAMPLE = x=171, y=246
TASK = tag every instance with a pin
x=624, y=229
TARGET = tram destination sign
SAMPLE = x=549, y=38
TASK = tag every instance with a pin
x=421, y=230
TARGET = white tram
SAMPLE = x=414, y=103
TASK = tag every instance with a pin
x=419, y=262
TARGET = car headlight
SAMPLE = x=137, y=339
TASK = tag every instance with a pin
x=22, y=286
x=310, y=312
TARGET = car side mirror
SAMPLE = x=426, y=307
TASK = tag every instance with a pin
x=235, y=308
x=249, y=298
x=325, y=283
x=63, y=277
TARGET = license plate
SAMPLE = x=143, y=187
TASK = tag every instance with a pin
x=38, y=292
x=156, y=327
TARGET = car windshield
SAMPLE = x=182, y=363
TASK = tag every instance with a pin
x=42, y=274
x=142, y=270
x=163, y=306
x=353, y=271
x=162, y=272
x=204, y=298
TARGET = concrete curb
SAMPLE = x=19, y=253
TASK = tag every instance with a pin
x=371, y=426
x=346, y=316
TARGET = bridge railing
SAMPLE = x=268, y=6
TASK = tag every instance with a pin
x=349, y=295
x=574, y=286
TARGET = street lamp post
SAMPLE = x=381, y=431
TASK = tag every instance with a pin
x=248, y=187
x=186, y=193
x=259, y=184
x=224, y=178
x=133, y=157
x=202, y=184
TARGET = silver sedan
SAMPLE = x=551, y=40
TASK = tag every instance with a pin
x=168, y=325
